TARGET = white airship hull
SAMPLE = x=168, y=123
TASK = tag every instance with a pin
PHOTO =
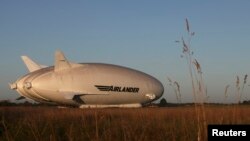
x=88, y=85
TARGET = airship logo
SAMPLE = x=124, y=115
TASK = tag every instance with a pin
x=118, y=89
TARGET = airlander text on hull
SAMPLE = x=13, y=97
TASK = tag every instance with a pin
x=86, y=84
x=118, y=89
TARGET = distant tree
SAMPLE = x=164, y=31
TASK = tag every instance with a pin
x=163, y=102
x=6, y=103
x=27, y=103
x=246, y=102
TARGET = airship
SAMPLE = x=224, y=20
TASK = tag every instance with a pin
x=86, y=85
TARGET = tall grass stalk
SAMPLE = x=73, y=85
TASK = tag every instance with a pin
x=226, y=92
x=243, y=86
x=6, y=132
x=240, y=89
x=176, y=87
x=96, y=127
x=198, y=87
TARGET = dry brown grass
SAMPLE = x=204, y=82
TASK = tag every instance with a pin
x=143, y=124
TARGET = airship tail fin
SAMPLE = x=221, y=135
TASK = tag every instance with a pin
x=61, y=63
x=31, y=65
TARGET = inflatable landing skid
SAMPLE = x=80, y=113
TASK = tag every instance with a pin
x=136, y=105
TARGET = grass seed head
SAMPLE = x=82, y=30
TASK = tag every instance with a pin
x=245, y=79
x=226, y=89
x=187, y=25
x=197, y=65
x=185, y=47
x=237, y=82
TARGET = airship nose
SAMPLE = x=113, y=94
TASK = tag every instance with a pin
x=159, y=89
x=155, y=90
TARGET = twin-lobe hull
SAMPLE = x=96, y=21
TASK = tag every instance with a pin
x=90, y=84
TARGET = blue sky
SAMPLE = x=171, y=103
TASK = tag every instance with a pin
x=137, y=34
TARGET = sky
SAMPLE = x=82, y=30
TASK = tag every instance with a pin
x=139, y=34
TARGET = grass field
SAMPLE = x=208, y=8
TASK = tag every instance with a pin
x=142, y=124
